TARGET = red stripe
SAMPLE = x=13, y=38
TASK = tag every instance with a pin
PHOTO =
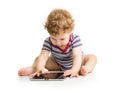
x=67, y=46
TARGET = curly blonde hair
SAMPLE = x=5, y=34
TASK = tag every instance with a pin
x=59, y=20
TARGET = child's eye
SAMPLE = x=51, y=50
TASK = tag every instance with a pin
x=53, y=39
x=62, y=39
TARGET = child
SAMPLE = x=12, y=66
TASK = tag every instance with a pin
x=65, y=49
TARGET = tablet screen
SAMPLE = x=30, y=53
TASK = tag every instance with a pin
x=50, y=75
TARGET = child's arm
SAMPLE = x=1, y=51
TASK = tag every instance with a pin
x=77, y=60
x=41, y=62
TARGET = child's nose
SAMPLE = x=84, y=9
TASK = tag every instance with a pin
x=58, y=43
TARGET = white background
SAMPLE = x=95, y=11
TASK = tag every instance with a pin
x=22, y=34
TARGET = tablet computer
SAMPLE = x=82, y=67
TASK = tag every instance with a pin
x=49, y=76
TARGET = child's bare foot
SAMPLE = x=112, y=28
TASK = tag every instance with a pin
x=84, y=70
x=25, y=71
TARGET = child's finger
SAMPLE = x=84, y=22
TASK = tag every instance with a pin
x=38, y=73
x=66, y=74
x=32, y=75
x=74, y=75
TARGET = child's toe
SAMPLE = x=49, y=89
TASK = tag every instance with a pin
x=21, y=72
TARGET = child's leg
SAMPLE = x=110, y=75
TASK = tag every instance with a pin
x=50, y=65
x=26, y=71
x=88, y=64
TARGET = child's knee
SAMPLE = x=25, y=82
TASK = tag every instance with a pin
x=93, y=57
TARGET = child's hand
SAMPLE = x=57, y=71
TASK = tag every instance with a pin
x=71, y=73
x=39, y=72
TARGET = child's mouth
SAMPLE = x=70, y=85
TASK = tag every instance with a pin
x=62, y=46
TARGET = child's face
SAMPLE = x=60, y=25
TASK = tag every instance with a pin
x=60, y=40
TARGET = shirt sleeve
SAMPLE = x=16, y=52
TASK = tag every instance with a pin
x=76, y=41
x=46, y=45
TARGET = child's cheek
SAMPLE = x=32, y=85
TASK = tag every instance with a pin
x=64, y=43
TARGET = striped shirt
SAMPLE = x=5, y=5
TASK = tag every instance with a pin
x=63, y=58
